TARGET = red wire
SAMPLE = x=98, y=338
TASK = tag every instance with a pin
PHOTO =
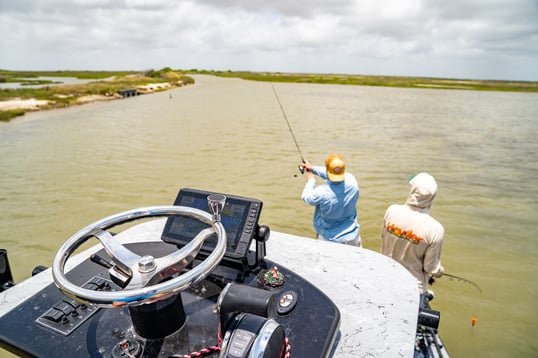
x=203, y=352
x=216, y=349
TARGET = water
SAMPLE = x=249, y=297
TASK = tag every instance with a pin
x=64, y=169
x=56, y=81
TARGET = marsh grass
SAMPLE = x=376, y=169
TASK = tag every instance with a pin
x=12, y=113
x=386, y=81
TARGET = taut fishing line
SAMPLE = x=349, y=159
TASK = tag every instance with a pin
x=289, y=127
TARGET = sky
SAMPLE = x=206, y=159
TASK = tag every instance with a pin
x=465, y=39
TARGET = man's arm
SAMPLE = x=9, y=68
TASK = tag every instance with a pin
x=432, y=257
x=309, y=193
x=320, y=171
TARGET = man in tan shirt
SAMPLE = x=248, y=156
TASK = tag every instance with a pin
x=411, y=236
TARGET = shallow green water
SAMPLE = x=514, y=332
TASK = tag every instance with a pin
x=64, y=169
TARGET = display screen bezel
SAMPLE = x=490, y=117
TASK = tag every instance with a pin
x=239, y=217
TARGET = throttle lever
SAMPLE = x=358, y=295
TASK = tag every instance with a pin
x=117, y=275
x=101, y=261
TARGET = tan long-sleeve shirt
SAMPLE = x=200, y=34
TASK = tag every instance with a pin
x=411, y=236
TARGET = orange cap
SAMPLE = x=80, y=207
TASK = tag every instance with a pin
x=335, y=167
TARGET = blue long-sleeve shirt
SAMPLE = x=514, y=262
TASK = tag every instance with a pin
x=335, y=214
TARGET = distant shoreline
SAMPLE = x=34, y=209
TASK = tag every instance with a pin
x=105, y=86
x=32, y=104
x=15, y=102
x=385, y=81
x=18, y=106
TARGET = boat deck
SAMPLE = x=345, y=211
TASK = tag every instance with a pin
x=378, y=299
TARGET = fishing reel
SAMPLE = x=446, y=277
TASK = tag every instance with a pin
x=244, y=327
x=301, y=168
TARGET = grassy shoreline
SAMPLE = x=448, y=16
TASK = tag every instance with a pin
x=108, y=83
x=385, y=81
x=106, y=86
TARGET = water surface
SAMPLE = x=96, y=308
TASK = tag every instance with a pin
x=64, y=169
x=57, y=80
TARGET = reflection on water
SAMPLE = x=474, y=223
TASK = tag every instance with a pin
x=64, y=169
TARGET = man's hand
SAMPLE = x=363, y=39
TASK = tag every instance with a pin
x=305, y=165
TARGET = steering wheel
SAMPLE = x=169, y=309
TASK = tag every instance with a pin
x=144, y=279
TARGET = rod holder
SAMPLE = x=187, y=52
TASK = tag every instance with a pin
x=6, y=278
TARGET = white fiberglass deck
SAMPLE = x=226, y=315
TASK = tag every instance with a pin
x=377, y=298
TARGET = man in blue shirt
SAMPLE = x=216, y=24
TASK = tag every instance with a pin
x=335, y=214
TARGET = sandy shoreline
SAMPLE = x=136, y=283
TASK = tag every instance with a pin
x=36, y=104
x=28, y=104
x=33, y=104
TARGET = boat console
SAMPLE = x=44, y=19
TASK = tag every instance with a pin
x=205, y=288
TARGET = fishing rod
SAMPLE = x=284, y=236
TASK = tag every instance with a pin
x=432, y=280
x=301, y=168
x=462, y=279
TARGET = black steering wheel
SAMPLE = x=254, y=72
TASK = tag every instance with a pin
x=145, y=279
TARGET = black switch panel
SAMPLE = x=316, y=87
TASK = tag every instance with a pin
x=67, y=315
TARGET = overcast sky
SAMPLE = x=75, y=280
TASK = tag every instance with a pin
x=482, y=39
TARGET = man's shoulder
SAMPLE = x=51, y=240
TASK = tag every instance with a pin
x=439, y=227
x=350, y=179
x=433, y=224
x=396, y=207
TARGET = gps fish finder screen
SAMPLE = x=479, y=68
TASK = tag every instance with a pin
x=232, y=217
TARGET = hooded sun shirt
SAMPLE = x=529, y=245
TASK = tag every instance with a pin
x=411, y=236
x=335, y=213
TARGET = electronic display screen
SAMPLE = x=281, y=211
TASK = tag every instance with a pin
x=239, y=217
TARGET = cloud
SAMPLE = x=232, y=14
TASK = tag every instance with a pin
x=472, y=38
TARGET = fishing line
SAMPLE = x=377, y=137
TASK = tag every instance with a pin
x=462, y=279
x=289, y=127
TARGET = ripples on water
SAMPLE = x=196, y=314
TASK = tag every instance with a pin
x=64, y=169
